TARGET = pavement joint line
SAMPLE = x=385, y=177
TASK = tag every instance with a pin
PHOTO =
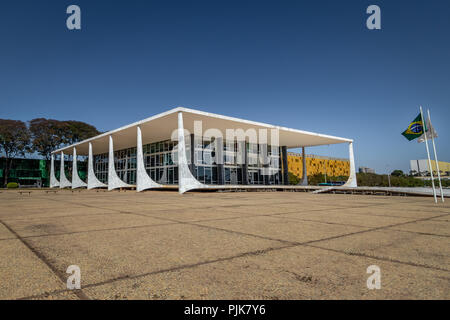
x=324, y=222
x=268, y=215
x=423, y=233
x=172, y=269
x=364, y=214
x=90, y=194
x=79, y=293
x=171, y=223
x=364, y=255
x=225, y=230
x=57, y=217
x=340, y=208
x=377, y=228
x=149, y=214
x=276, y=215
x=194, y=265
x=280, y=240
x=329, y=238
x=174, y=220
x=259, y=252
x=345, y=224
x=298, y=219
x=292, y=244
x=6, y=239
x=331, y=208
x=177, y=222
x=95, y=230
x=244, y=215
x=215, y=207
x=110, y=209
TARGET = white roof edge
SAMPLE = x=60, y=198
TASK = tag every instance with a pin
x=208, y=114
x=105, y=134
x=262, y=124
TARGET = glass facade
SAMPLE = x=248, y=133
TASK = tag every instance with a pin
x=205, y=169
x=158, y=162
x=125, y=164
x=264, y=164
x=101, y=167
x=260, y=170
x=243, y=163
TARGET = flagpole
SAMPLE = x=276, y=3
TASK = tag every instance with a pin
x=436, y=158
x=428, y=153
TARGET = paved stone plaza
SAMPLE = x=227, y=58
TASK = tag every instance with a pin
x=239, y=245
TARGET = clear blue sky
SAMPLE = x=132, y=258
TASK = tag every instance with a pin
x=311, y=65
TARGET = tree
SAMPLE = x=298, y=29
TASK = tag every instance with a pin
x=79, y=131
x=397, y=173
x=293, y=179
x=49, y=134
x=14, y=141
x=413, y=173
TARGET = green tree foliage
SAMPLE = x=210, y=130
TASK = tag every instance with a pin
x=372, y=180
x=314, y=180
x=79, y=131
x=12, y=185
x=48, y=134
x=14, y=141
x=381, y=180
x=397, y=173
x=293, y=179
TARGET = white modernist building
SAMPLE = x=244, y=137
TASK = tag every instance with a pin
x=190, y=150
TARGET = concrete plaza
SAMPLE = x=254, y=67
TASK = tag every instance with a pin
x=236, y=245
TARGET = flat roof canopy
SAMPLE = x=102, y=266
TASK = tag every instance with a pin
x=161, y=126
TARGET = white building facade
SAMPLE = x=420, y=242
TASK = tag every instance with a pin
x=190, y=150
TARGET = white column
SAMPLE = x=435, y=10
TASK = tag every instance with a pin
x=351, y=182
x=186, y=181
x=143, y=181
x=92, y=182
x=63, y=181
x=114, y=181
x=76, y=180
x=53, y=181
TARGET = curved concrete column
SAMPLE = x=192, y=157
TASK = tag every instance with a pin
x=76, y=180
x=304, y=181
x=186, y=181
x=114, y=181
x=53, y=181
x=143, y=181
x=92, y=181
x=63, y=181
x=351, y=182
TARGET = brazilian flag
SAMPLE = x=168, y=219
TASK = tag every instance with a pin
x=415, y=129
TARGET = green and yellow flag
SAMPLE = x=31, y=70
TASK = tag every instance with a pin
x=415, y=129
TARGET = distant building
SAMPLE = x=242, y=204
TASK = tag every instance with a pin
x=421, y=167
x=34, y=172
x=366, y=170
x=332, y=167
